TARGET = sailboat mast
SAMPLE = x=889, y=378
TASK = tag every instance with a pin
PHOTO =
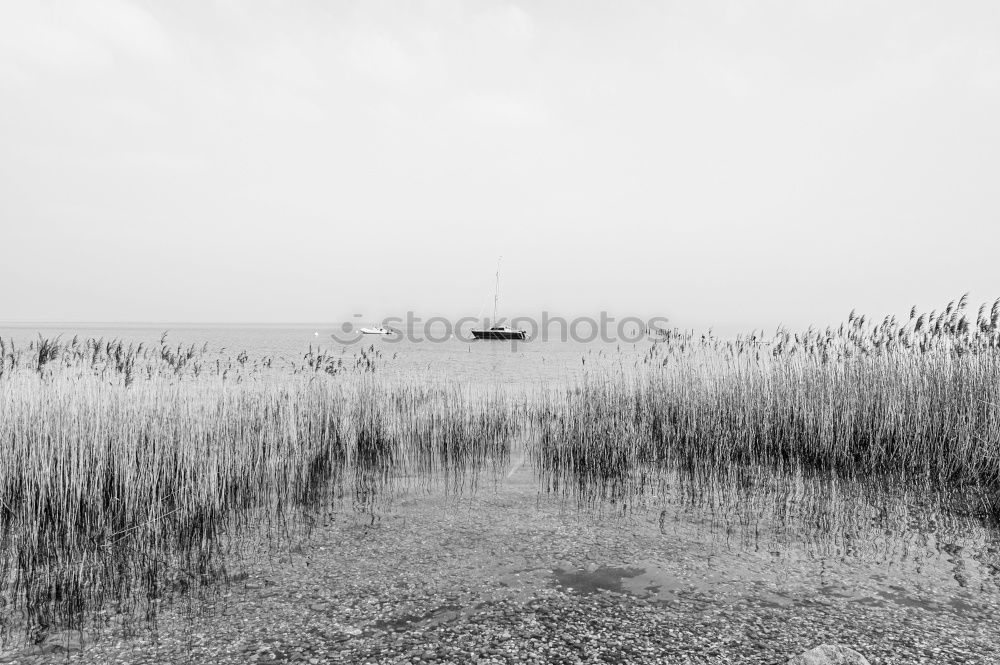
x=496, y=293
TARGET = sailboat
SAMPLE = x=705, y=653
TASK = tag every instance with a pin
x=498, y=332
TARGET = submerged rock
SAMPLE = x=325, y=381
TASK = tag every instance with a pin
x=829, y=654
x=63, y=641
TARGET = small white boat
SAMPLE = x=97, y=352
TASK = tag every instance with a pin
x=377, y=330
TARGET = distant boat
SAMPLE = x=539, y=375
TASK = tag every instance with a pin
x=499, y=332
x=377, y=330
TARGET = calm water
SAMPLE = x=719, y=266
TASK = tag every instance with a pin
x=533, y=361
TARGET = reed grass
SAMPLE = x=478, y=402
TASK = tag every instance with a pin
x=117, y=490
x=912, y=403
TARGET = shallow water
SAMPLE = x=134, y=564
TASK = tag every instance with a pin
x=464, y=569
x=956, y=571
x=882, y=551
x=900, y=601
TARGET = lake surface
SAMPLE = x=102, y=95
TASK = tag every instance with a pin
x=418, y=354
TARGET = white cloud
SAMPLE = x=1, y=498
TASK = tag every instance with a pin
x=129, y=29
x=38, y=38
x=377, y=55
x=497, y=108
x=130, y=110
x=12, y=73
x=79, y=38
x=290, y=64
x=342, y=122
x=515, y=23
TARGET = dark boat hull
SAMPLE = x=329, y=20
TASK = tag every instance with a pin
x=499, y=334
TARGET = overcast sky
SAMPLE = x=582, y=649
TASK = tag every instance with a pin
x=741, y=164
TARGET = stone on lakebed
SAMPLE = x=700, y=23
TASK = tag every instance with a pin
x=829, y=654
x=61, y=642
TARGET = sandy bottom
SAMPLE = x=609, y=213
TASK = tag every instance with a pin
x=511, y=576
